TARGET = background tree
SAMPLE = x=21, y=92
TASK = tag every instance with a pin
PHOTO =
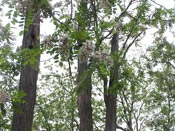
x=161, y=70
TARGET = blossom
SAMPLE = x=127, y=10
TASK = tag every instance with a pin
x=47, y=41
x=103, y=56
x=4, y=97
x=65, y=45
x=119, y=24
x=58, y=4
x=104, y=3
x=85, y=51
x=64, y=39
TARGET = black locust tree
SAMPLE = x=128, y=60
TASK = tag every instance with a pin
x=23, y=115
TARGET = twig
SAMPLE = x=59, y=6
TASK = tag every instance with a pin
x=45, y=117
x=158, y=4
x=131, y=43
x=47, y=59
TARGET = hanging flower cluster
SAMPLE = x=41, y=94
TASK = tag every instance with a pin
x=47, y=41
x=104, y=4
x=85, y=51
x=64, y=45
x=58, y=4
x=21, y=6
x=4, y=97
x=103, y=56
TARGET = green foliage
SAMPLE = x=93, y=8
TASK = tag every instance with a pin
x=16, y=99
x=141, y=92
x=30, y=57
x=80, y=35
x=162, y=77
x=56, y=110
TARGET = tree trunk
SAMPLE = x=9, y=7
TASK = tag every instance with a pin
x=22, y=120
x=84, y=78
x=110, y=101
x=84, y=98
x=109, y=96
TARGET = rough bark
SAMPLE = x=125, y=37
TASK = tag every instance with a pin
x=84, y=98
x=22, y=120
x=109, y=97
x=84, y=79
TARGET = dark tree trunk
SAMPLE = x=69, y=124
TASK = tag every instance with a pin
x=110, y=101
x=84, y=78
x=84, y=98
x=109, y=96
x=22, y=120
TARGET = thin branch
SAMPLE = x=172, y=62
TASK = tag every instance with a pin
x=95, y=12
x=137, y=117
x=124, y=45
x=131, y=43
x=45, y=117
x=125, y=9
x=124, y=110
x=71, y=10
x=158, y=4
x=118, y=18
x=47, y=59
x=110, y=32
x=70, y=70
x=170, y=64
x=121, y=128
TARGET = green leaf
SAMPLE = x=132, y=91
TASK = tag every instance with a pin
x=21, y=33
x=80, y=35
x=7, y=27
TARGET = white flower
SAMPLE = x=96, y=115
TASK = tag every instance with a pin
x=104, y=57
x=119, y=25
x=85, y=51
x=4, y=97
x=97, y=55
x=58, y=4
x=47, y=41
x=64, y=39
x=104, y=3
x=65, y=45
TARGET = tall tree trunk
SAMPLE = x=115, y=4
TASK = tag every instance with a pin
x=109, y=96
x=22, y=120
x=84, y=79
x=84, y=98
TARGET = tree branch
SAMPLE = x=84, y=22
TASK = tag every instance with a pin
x=45, y=117
x=158, y=4
x=131, y=43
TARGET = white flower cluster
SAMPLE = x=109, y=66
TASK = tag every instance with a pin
x=4, y=97
x=47, y=41
x=58, y=4
x=119, y=25
x=85, y=51
x=104, y=3
x=81, y=1
x=64, y=39
x=21, y=6
x=103, y=56
x=65, y=45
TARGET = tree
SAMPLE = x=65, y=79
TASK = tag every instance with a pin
x=94, y=81
x=161, y=71
x=9, y=68
x=84, y=76
x=22, y=119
